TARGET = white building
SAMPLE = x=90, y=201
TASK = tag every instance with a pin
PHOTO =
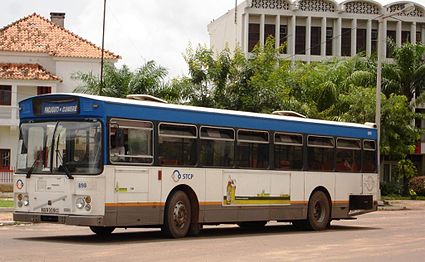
x=38, y=56
x=314, y=30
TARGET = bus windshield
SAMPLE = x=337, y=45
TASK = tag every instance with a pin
x=60, y=147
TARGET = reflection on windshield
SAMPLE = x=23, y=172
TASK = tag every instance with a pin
x=68, y=147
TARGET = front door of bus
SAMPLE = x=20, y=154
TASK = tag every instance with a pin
x=134, y=206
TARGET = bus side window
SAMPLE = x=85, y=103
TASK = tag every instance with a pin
x=177, y=144
x=369, y=156
x=253, y=149
x=348, y=155
x=131, y=142
x=320, y=153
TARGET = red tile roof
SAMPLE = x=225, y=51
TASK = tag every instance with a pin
x=25, y=72
x=37, y=34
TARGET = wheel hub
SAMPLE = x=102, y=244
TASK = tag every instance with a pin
x=180, y=214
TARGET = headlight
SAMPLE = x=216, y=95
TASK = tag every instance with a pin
x=26, y=201
x=80, y=203
x=88, y=199
x=19, y=204
x=88, y=207
x=20, y=196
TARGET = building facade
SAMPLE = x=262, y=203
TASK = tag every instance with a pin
x=314, y=30
x=38, y=56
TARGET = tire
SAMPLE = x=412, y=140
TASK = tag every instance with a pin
x=195, y=229
x=177, y=217
x=102, y=231
x=319, y=211
x=252, y=225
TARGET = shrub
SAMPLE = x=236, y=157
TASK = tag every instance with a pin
x=417, y=184
x=391, y=188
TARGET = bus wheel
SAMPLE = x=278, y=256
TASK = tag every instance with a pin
x=318, y=215
x=177, y=215
x=102, y=231
x=252, y=225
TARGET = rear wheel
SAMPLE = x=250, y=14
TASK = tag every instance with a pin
x=177, y=215
x=102, y=231
x=319, y=211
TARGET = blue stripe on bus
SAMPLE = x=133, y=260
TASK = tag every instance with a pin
x=105, y=109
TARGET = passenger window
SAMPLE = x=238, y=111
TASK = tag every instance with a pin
x=320, y=153
x=369, y=156
x=348, y=155
x=177, y=145
x=217, y=147
x=252, y=149
x=131, y=142
x=288, y=151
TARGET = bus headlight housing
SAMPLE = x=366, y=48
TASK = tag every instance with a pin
x=80, y=203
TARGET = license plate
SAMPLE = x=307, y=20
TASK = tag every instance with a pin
x=50, y=210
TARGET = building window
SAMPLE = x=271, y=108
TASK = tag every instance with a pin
x=391, y=35
x=4, y=159
x=253, y=36
x=361, y=40
x=405, y=37
x=315, y=44
x=300, y=40
x=41, y=90
x=283, y=37
x=269, y=31
x=418, y=37
x=5, y=95
x=329, y=40
x=374, y=45
x=346, y=42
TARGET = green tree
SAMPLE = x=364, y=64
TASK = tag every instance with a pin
x=407, y=75
x=119, y=82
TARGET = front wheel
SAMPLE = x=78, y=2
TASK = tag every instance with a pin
x=177, y=215
x=319, y=211
x=102, y=231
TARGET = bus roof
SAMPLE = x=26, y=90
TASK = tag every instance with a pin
x=213, y=111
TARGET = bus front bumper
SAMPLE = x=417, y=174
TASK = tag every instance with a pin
x=59, y=219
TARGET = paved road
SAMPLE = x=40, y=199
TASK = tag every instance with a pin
x=379, y=236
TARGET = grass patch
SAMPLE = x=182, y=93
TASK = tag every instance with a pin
x=6, y=203
x=398, y=197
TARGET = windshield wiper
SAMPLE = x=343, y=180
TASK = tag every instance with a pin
x=37, y=159
x=68, y=174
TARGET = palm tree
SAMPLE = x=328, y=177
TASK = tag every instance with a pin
x=120, y=82
x=407, y=75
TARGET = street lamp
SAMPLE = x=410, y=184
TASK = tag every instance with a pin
x=381, y=42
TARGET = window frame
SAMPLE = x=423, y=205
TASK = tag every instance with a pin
x=217, y=128
x=349, y=148
x=289, y=134
x=177, y=124
x=308, y=144
x=132, y=127
x=253, y=141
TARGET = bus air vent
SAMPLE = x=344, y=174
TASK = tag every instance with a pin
x=147, y=98
x=288, y=113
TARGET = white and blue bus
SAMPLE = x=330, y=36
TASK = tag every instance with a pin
x=111, y=163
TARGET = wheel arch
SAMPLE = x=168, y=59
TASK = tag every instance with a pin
x=193, y=198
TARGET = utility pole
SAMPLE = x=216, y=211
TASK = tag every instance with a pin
x=103, y=48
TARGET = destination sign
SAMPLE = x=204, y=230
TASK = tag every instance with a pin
x=52, y=108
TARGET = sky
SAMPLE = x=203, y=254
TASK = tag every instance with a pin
x=137, y=30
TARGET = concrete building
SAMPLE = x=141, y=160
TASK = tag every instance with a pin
x=38, y=56
x=314, y=30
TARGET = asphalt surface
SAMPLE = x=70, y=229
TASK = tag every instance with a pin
x=390, y=235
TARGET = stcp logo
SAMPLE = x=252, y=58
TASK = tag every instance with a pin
x=176, y=176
